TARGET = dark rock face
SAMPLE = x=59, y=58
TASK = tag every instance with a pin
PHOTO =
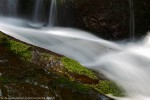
x=142, y=16
x=109, y=19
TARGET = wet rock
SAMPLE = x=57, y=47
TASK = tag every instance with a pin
x=105, y=17
x=79, y=95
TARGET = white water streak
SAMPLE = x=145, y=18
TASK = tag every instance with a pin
x=38, y=11
x=53, y=13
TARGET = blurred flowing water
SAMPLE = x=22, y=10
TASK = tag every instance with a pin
x=8, y=7
x=53, y=13
x=37, y=13
x=126, y=64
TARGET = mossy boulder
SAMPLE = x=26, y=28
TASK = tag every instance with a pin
x=73, y=75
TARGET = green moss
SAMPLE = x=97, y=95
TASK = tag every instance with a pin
x=75, y=67
x=20, y=48
x=17, y=47
x=108, y=87
x=71, y=84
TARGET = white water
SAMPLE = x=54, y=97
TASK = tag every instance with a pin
x=53, y=12
x=38, y=11
x=126, y=64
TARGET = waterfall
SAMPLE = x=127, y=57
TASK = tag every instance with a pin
x=9, y=7
x=132, y=20
x=12, y=7
x=53, y=13
x=128, y=65
x=38, y=11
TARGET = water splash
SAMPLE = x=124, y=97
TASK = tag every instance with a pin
x=126, y=64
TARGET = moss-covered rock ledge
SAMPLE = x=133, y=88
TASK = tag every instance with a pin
x=70, y=72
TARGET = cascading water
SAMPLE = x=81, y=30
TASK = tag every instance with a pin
x=132, y=20
x=8, y=7
x=12, y=7
x=53, y=13
x=126, y=64
x=37, y=13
